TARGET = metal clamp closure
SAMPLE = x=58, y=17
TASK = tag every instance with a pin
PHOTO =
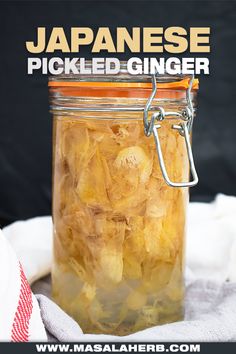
x=184, y=129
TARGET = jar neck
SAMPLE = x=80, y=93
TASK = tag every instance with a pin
x=129, y=98
x=120, y=91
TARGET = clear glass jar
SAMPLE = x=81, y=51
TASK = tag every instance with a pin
x=119, y=229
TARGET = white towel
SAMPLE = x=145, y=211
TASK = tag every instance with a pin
x=210, y=317
x=32, y=242
x=20, y=319
x=211, y=239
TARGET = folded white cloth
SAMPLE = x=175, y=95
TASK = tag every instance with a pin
x=210, y=316
x=32, y=242
x=20, y=319
x=211, y=261
x=211, y=239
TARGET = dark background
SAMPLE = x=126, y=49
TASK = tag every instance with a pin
x=25, y=122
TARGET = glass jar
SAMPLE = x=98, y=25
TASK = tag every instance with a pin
x=119, y=221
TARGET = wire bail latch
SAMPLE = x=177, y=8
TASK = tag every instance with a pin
x=184, y=129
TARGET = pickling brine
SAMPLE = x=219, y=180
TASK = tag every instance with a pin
x=118, y=227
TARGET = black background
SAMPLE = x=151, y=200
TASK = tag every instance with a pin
x=25, y=122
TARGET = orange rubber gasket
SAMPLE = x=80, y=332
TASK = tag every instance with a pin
x=177, y=85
